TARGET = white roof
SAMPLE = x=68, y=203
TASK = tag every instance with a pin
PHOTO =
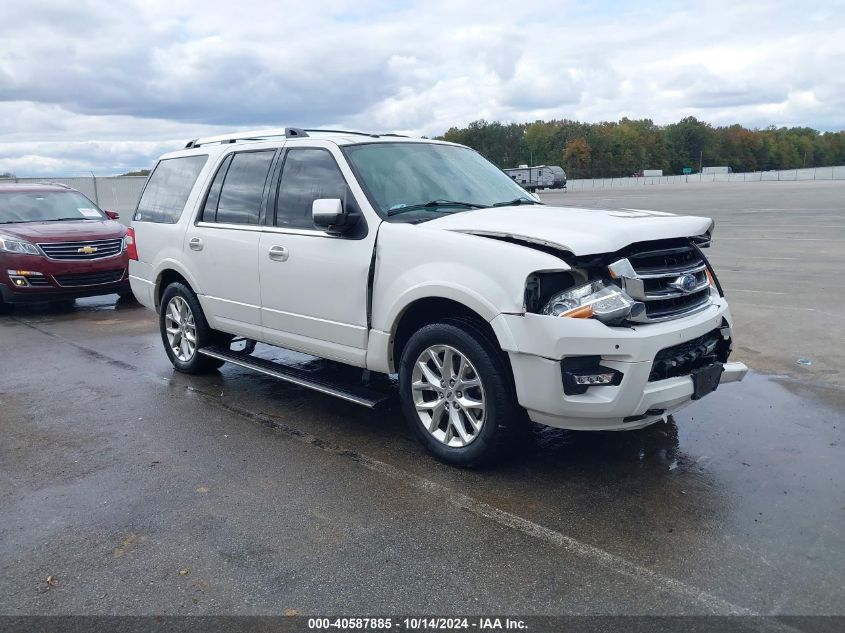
x=288, y=133
x=222, y=142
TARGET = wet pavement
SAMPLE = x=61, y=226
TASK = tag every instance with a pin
x=142, y=491
x=777, y=250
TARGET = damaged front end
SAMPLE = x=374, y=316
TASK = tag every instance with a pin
x=643, y=283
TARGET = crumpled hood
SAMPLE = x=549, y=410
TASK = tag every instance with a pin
x=579, y=231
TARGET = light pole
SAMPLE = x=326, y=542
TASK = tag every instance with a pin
x=96, y=193
x=530, y=151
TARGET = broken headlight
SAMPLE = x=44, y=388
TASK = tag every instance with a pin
x=605, y=302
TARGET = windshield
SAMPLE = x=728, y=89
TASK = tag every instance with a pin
x=46, y=206
x=412, y=182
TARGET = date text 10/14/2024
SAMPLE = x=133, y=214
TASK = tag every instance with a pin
x=418, y=623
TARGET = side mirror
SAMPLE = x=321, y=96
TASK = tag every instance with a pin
x=329, y=215
x=113, y=215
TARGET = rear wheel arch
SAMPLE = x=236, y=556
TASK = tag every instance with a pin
x=165, y=278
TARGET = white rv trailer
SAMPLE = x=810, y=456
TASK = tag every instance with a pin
x=539, y=177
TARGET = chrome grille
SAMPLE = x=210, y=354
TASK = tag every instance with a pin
x=661, y=272
x=77, y=250
x=89, y=279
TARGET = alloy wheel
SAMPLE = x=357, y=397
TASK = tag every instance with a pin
x=448, y=395
x=181, y=329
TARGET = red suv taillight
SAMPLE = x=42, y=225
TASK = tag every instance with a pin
x=129, y=241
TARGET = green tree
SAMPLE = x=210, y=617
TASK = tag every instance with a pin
x=620, y=148
x=576, y=158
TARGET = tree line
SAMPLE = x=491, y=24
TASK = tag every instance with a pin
x=622, y=148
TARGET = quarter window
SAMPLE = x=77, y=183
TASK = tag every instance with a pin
x=168, y=189
x=243, y=188
x=308, y=175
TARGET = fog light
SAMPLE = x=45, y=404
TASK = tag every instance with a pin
x=582, y=372
x=21, y=282
x=595, y=379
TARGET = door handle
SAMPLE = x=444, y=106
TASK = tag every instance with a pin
x=278, y=253
x=195, y=244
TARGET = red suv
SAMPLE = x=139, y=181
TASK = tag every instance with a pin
x=57, y=245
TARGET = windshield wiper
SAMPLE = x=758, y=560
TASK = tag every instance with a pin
x=515, y=202
x=436, y=203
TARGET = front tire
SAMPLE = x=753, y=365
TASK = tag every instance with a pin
x=184, y=331
x=457, y=394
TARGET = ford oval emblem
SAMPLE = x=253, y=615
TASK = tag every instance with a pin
x=685, y=283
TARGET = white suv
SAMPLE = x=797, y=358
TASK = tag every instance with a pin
x=420, y=258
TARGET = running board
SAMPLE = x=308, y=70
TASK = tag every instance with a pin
x=349, y=390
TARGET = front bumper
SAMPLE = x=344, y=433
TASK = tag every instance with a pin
x=536, y=344
x=41, y=295
x=51, y=280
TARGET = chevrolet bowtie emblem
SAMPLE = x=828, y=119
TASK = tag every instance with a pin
x=87, y=250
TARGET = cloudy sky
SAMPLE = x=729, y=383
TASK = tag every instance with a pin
x=108, y=86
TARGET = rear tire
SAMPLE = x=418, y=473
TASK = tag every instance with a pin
x=457, y=393
x=184, y=330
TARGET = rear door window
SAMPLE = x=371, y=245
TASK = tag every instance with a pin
x=243, y=188
x=168, y=189
x=209, y=209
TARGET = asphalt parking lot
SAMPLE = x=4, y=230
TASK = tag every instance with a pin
x=142, y=491
x=777, y=249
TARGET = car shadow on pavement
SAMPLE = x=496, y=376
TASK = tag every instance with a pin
x=71, y=306
x=653, y=446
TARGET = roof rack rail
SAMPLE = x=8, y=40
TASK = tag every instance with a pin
x=252, y=135
x=287, y=132
x=342, y=132
x=370, y=134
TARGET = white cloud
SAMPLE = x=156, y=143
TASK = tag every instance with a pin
x=107, y=86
